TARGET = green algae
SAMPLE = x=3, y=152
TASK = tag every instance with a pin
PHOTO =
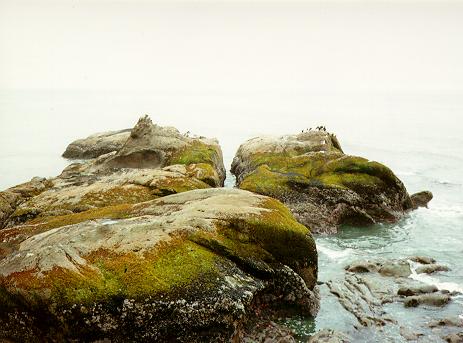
x=196, y=152
x=127, y=194
x=171, y=185
x=162, y=270
x=279, y=174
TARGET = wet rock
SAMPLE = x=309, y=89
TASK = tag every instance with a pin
x=97, y=144
x=454, y=338
x=415, y=290
x=323, y=187
x=329, y=336
x=434, y=299
x=362, y=267
x=362, y=297
x=409, y=334
x=200, y=262
x=421, y=199
x=432, y=268
x=369, y=285
x=422, y=259
x=449, y=321
x=396, y=269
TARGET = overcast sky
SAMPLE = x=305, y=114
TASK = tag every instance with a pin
x=235, y=46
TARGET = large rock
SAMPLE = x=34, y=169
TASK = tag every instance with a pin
x=323, y=187
x=189, y=267
x=153, y=162
x=97, y=144
x=149, y=145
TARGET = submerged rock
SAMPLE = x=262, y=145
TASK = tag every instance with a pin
x=190, y=266
x=131, y=175
x=97, y=144
x=323, y=187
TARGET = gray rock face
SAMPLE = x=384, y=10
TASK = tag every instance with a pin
x=150, y=146
x=323, y=187
x=97, y=144
x=190, y=267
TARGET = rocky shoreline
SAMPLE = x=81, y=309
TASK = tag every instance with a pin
x=139, y=241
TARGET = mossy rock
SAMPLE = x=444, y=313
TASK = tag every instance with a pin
x=200, y=262
x=322, y=186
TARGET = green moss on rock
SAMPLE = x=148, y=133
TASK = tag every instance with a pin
x=162, y=270
x=127, y=194
x=279, y=174
x=196, y=152
x=170, y=185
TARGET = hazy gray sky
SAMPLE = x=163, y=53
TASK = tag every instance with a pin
x=234, y=46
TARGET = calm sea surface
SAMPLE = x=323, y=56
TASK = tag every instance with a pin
x=419, y=136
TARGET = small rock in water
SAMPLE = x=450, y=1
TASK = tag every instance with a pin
x=421, y=199
x=427, y=299
x=362, y=267
x=422, y=259
x=414, y=290
x=454, y=338
x=432, y=268
x=396, y=269
x=408, y=334
x=449, y=321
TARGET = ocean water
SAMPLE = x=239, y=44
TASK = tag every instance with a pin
x=418, y=135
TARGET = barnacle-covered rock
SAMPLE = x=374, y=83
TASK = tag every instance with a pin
x=190, y=267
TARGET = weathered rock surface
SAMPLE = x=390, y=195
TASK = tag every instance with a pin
x=11, y=198
x=153, y=162
x=323, y=187
x=368, y=292
x=454, y=338
x=151, y=146
x=267, y=331
x=97, y=144
x=190, y=266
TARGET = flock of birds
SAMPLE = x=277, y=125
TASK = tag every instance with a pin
x=319, y=128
